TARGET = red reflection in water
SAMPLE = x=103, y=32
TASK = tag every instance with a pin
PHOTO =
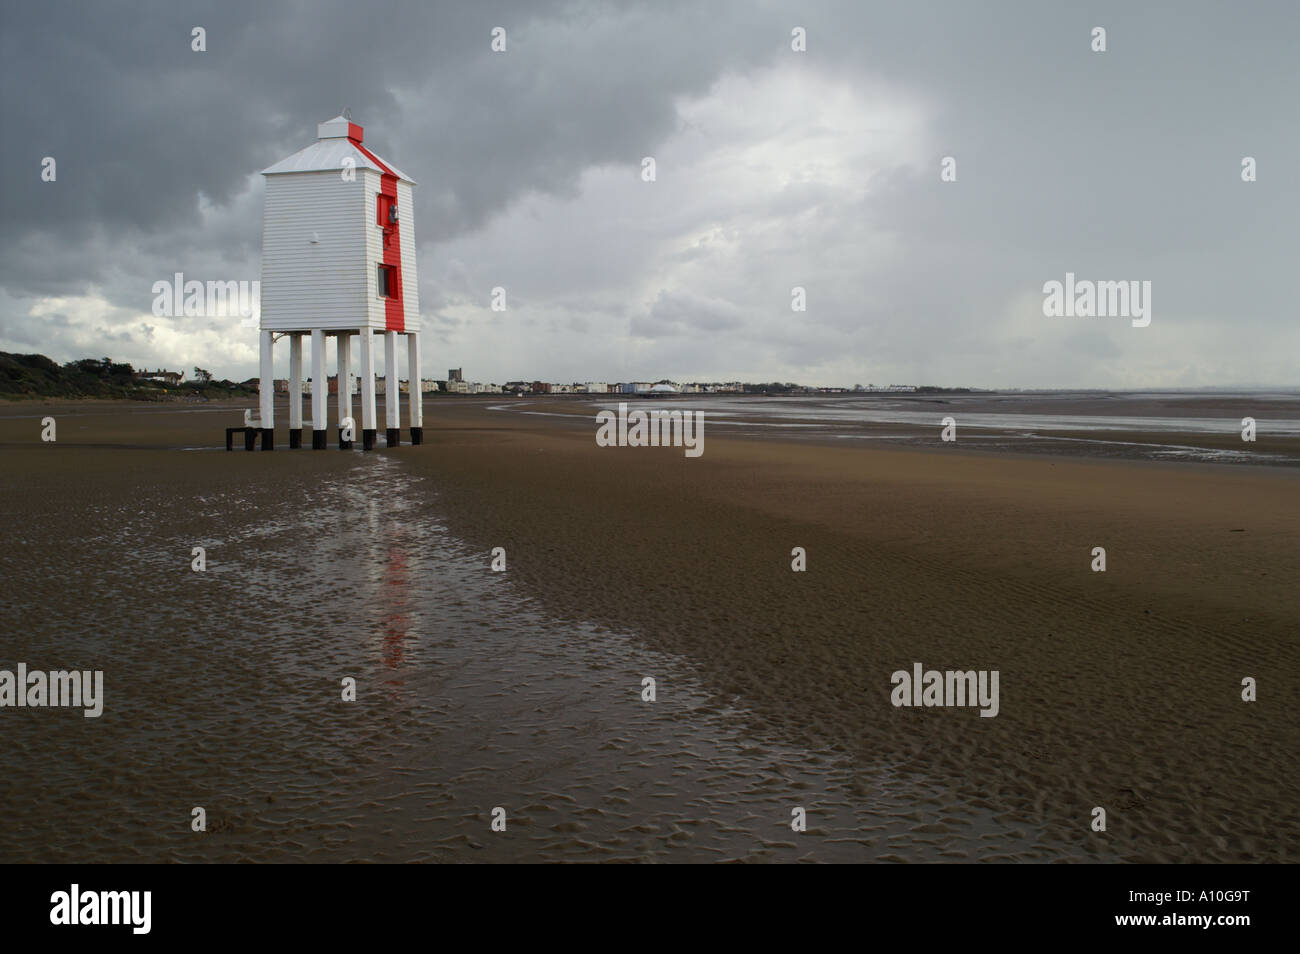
x=396, y=601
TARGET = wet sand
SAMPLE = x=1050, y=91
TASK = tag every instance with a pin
x=1118, y=689
x=1158, y=427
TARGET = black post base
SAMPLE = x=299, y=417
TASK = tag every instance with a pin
x=250, y=438
x=318, y=438
x=368, y=439
x=393, y=436
x=344, y=445
x=295, y=438
x=268, y=438
x=417, y=435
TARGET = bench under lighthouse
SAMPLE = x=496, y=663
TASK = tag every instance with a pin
x=338, y=259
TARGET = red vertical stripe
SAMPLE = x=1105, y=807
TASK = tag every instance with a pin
x=394, y=308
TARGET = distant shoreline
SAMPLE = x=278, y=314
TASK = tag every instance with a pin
x=1167, y=430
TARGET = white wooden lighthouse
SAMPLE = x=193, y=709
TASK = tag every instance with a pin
x=338, y=259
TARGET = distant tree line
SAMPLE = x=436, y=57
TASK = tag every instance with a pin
x=775, y=387
x=35, y=375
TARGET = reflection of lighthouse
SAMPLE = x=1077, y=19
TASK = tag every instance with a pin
x=338, y=259
x=384, y=567
x=396, y=600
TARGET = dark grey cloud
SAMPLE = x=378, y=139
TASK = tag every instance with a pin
x=775, y=169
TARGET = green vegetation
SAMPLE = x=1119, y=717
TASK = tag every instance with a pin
x=36, y=376
x=775, y=387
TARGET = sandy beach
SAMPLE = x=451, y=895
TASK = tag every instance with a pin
x=1119, y=689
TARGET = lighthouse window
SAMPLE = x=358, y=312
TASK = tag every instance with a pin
x=386, y=209
x=387, y=281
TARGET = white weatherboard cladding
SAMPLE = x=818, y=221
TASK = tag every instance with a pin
x=374, y=250
x=310, y=284
x=410, y=278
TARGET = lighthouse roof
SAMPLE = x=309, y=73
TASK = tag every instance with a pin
x=337, y=141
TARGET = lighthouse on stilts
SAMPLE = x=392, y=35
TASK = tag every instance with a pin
x=338, y=260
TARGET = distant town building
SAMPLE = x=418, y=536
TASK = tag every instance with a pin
x=455, y=374
x=353, y=381
x=163, y=376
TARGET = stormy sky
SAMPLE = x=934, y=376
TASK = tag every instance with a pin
x=775, y=169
